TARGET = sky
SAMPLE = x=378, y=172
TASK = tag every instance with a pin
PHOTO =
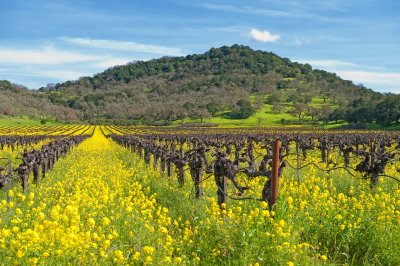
x=51, y=41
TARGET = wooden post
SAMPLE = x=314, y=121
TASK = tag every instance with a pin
x=9, y=184
x=222, y=192
x=225, y=189
x=9, y=166
x=298, y=160
x=275, y=170
x=327, y=157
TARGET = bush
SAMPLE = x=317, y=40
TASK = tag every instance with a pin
x=243, y=110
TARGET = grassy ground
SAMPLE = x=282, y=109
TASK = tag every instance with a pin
x=24, y=121
x=266, y=117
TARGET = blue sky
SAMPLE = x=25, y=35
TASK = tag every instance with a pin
x=49, y=41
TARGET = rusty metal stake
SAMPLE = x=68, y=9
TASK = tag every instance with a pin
x=275, y=169
x=222, y=192
x=9, y=166
x=298, y=160
x=225, y=189
x=9, y=183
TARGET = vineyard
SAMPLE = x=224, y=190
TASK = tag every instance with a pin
x=92, y=195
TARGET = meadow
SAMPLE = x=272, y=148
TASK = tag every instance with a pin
x=104, y=204
x=266, y=116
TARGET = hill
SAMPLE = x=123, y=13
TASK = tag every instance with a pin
x=202, y=85
x=17, y=100
x=230, y=82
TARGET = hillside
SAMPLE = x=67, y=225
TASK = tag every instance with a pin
x=172, y=88
x=19, y=101
x=230, y=82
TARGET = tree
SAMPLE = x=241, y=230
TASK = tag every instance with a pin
x=243, y=109
x=360, y=115
x=324, y=89
x=273, y=79
x=294, y=97
x=189, y=105
x=6, y=108
x=277, y=108
x=200, y=113
x=313, y=112
x=297, y=97
x=213, y=108
x=169, y=112
x=274, y=98
x=283, y=84
x=388, y=111
x=325, y=114
x=306, y=98
x=258, y=103
x=299, y=110
x=338, y=114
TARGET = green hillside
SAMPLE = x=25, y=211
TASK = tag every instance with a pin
x=17, y=101
x=25, y=121
x=227, y=86
x=199, y=86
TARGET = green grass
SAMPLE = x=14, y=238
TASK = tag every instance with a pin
x=265, y=117
x=24, y=121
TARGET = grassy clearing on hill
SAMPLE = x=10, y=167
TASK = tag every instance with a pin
x=267, y=117
x=264, y=117
x=24, y=121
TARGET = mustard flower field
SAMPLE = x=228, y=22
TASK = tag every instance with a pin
x=102, y=201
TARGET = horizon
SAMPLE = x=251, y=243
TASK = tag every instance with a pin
x=55, y=41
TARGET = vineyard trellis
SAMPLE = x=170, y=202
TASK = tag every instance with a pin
x=254, y=153
x=36, y=161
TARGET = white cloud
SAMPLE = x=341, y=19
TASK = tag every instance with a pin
x=266, y=12
x=55, y=74
x=219, y=7
x=41, y=56
x=300, y=41
x=62, y=74
x=247, y=10
x=29, y=66
x=125, y=46
x=378, y=78
x=328, y=63
x=111, y=62
x=263, y=36
x=371, y=76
